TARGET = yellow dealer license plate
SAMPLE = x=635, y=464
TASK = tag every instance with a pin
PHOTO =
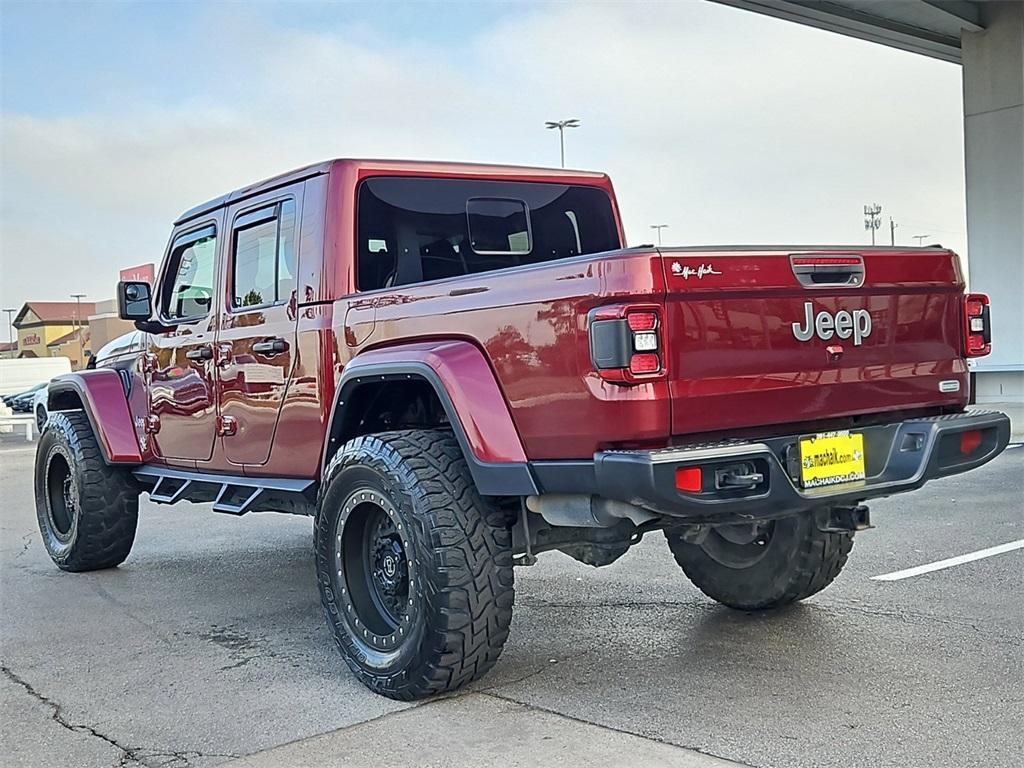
x=831, y=458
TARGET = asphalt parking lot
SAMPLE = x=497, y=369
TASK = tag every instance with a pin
x=208, y=644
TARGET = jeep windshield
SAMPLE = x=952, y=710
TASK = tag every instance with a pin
x=415, y=229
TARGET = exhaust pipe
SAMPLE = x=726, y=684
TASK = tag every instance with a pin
x=577, y=510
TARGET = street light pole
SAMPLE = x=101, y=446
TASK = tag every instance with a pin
x=10, y=329
x=78, y=321
x=561, y=125
x=920, y=239
x=659, y=227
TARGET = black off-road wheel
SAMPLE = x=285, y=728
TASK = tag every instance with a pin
x=414, y=566
x=762, y=566
x=87, y=510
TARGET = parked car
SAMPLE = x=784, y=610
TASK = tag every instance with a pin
x=22, y=402
x=453, y=368
x=39, y=406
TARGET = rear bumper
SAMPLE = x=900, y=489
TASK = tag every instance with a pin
x=901, y=456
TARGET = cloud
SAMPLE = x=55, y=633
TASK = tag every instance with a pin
x=728, y=126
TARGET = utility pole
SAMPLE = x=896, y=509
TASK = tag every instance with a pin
x=561, y=125
x=78, y=321
x=872, y=221
x=659, y=227
x=10, y=329
x=892, y=231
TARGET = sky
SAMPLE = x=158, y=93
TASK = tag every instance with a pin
x=728, y=126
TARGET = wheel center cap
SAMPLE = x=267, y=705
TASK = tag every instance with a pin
x=390, y=566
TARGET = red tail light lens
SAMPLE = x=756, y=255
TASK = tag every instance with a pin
x=689, y=479
x=626, y=342
x=642, y=321
x=977, y=325
x=646, y=362
x=969, y=441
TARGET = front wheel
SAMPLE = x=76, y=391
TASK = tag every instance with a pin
x=762, y=565
x=87, y=510
x=414, y=566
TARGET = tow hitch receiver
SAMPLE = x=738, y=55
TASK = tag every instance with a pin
x=845, y=519
x=738, y=476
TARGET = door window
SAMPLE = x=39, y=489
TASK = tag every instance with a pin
x=264, y=256
x=188, y=280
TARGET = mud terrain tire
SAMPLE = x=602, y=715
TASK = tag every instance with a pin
x=87, y=510
x=414, y=566
x=795, y=561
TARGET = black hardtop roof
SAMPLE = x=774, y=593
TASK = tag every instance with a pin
x=253, y=189
x=415, y=166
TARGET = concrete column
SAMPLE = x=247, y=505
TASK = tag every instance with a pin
x=993, y=72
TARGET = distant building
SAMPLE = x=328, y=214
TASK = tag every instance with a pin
x=8, y=349
x=74, y=349
x=52, y=329
x=41, y=323
x=105, y=324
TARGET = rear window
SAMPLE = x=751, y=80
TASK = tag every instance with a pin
x=411, y=230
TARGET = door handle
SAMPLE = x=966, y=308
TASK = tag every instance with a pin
x=271, y=346
x=204, y=352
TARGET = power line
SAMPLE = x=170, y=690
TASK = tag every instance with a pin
x=872, y=222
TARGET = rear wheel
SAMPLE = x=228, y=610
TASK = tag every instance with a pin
x=764, y=565
x=87, y=510
x=414, y=566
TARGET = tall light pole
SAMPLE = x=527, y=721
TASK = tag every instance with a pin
x=78, y=320
x=920, y=239
x=872, y=220
x=10, y=329
x=659, y=227
x=892, y=232
x=561, y=125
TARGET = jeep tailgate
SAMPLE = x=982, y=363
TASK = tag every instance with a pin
x=779, y=335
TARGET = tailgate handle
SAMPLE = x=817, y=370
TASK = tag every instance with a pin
x=828, y=271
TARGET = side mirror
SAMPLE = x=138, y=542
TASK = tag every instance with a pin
x=134, y=301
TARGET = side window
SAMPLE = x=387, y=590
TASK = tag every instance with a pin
x=188, y=281
x=263, y=269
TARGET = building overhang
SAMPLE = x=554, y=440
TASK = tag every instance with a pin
x=928, y=27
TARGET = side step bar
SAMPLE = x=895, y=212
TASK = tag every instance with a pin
x=232, y=494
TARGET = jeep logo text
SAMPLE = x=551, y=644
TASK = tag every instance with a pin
x=825, y=325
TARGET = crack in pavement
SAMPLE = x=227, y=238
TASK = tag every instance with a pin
x=27, y=538
x=585, y=721
x=129, y=755
x=908, y=617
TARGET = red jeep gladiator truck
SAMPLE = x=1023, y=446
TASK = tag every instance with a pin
x=453, y=368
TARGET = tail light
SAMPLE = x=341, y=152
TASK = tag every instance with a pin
x=626, y=343
x=977, y=325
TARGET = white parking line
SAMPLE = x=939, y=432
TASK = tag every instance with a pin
x=959, y=560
